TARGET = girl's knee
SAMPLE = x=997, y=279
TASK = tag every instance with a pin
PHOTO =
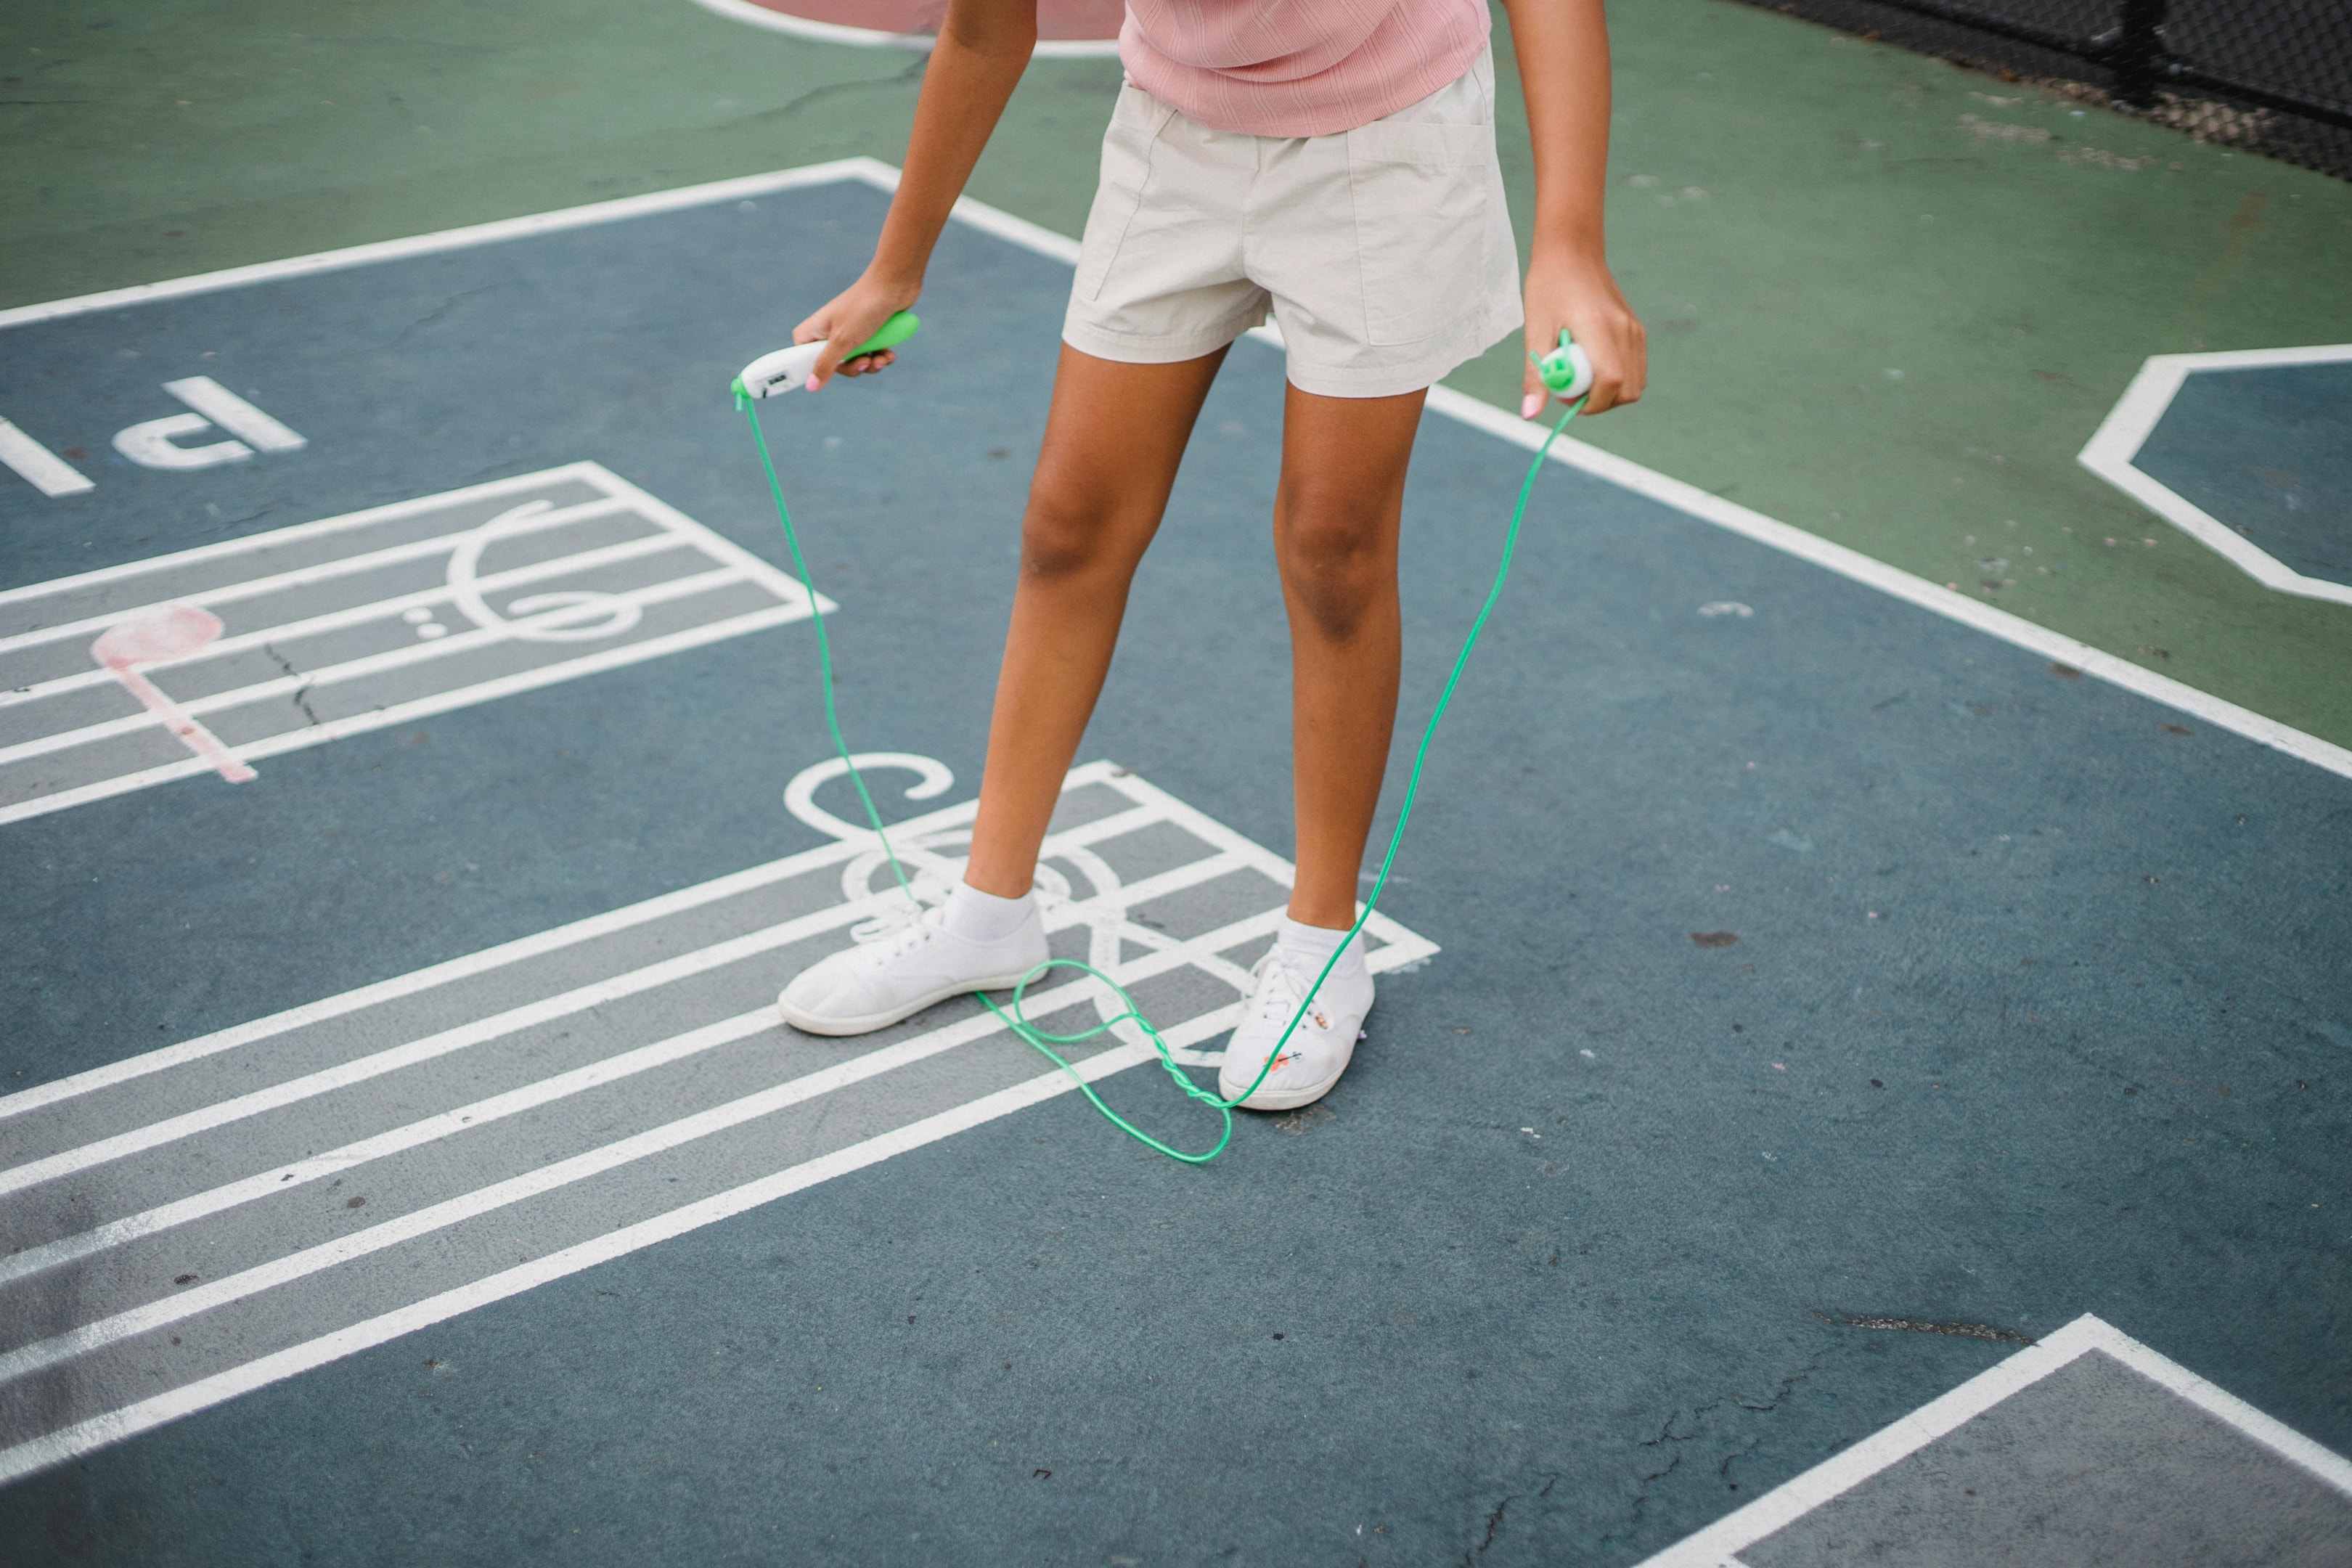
x=1066, y=535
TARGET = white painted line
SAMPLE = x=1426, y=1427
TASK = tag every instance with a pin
x=2276, y=1436
x=1901, y=585
x=545, y=478
x=521, y=950
x=566, y=616
x=56, y=1447
x=362, y=614
x=759, y=17
x=2113, y=451
x=1735, y=1531
x=749, y=186
x=421, y=708
x=1070, y=855
x=1714, y=1547
x=235, y=415
x=336, y=1162
x=1200, y=951
x=197, y=1299
x=479, y=1031
x=327, y=675
x=38, y=466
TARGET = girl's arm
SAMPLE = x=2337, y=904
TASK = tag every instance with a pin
x=983, y=47
x=1563, y=53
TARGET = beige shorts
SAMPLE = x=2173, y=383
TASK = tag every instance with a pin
x=1384, y=253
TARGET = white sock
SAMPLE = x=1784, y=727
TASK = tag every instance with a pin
x=1319, y=943
x=976, y=916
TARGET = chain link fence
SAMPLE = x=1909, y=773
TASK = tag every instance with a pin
x=2271, y=76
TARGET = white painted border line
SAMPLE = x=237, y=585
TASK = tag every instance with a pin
x=2012, y=629
x=40, y=1453
x=1715, y=1546
x=2113, y=453
x=870, y=170
x=759, y=17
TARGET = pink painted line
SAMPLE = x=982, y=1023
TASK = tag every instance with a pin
x=172, y=631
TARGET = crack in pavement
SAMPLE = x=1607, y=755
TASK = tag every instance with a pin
x=914, y=72
x=1907, y=1325
x=1671, y=1440
x=301, y=693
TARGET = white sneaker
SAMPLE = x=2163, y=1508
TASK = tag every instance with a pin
x=901, y=965
x=1318, y=1051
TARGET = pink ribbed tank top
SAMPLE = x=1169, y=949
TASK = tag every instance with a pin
x=1298, y=68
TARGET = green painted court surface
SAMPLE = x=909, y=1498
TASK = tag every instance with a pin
x=1848, y=1085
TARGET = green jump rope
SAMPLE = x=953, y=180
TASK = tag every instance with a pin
x=1564, y=369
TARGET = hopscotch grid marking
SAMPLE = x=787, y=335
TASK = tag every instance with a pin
x=358, y=614
x=1177, y=955
x=1225, y=852
x=383, y=1235
x=1714, y=1547
x=303, y=577
x=487, y=1113
x=480, y=1031
x=2113, y=453
x=40, y=1453
x=478, y=640
x=1200, y=952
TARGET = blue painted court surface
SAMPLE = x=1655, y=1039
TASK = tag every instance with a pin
x=1796, y=1004
x=2268, y=451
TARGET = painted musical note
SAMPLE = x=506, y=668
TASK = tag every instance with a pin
x=152, y=636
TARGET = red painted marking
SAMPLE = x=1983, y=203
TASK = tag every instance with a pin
x=1092, y=19
x=151, y=636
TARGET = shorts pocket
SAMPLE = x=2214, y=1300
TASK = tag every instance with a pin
x=1136, y=123
x=1422, y=192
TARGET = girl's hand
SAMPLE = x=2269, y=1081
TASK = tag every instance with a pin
x=1581, y=296
x=847, y=320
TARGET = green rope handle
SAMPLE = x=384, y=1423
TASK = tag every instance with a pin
x=1017, y=1019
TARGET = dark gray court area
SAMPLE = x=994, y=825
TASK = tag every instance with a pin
x=1790, y=1011
x=2268, y=450
x=2094, y=1465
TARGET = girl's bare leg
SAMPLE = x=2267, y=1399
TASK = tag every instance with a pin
x=1335, y=536
x=1114, y=436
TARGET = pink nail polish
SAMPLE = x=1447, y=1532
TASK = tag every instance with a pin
x=814, y=384
x=1531, y=405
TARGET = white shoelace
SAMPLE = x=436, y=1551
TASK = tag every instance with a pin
x=1280, y=999
x=899, y=917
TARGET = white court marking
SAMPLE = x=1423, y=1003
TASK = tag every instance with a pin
x=343, y=609
x=2113, y=451
x=1629, y=475
x=1716, y=1546
x=112, y=1311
